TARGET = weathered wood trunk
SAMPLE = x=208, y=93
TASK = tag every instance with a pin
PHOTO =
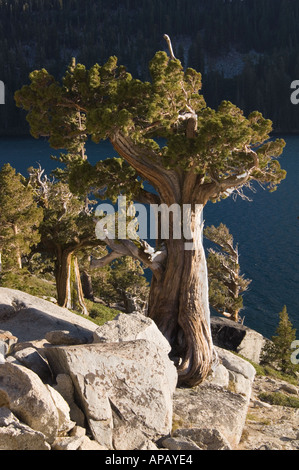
x=87, y=287
x=17, y=248
x=68, y=282
x=179, y=305
x=178, y=300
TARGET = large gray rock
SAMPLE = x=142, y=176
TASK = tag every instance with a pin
x=233, y=336
x=213, y=407
x=129, y=327
x=60, y=337
x=15, y=435
x=64, y=422
x=241, y=373
x=236, y=364
x=215, y=411
x=205, y=438
x=64, y=386
x=121, y=383
x=30, y=318
x=30, y=358
x=23, y=392
x=220, y=376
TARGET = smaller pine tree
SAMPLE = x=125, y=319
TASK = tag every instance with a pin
x=277, y=352
x=20, y=217
x=226, y=284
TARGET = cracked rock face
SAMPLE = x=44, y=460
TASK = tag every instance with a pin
x=130, y=327
x=128, y=382
x=15, y=435
x=23, y=392
x=31, y=318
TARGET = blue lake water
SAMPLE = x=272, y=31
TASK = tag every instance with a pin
x=266, y=229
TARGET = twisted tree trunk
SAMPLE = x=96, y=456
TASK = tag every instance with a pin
x=179, y=306
x=68, y=282
x=178, y=300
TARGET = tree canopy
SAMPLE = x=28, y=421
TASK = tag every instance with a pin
x=226, y=149
x=277, y=352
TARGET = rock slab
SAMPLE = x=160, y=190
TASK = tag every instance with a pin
x=30, y=318
x=130, y=327
x=15, y=435
x=233, y=336
x=23, y=392
x=211, y=407
x=129, y=382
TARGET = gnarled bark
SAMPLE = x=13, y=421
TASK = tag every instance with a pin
x=180, y=308
x=178, y=300
x=68, y=282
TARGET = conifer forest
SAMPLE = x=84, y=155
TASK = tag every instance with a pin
x=243, y=56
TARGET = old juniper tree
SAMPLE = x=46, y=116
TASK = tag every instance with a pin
x=206, y=154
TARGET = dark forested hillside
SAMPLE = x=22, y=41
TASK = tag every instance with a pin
x=247, y=50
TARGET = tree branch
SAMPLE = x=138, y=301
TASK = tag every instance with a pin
x=101, y=262
x=145, y=162
x=154, y=260
x=234, y=182
x=167, y=39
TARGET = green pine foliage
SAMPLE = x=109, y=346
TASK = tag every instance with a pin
x=75, y=108
x=224, y=152
x=123, y=278
x=226, y=283
x=20, y=217
x=277, y=352
x=113, y=283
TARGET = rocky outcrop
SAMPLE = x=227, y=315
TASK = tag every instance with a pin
x=56, y=379
x=214, y=413
x=119, y=384
x=23, y=392
x=271, y=427
x=233, y=336
x=15, y=435
x=84, y=387
x=128, y=328
x=31, y=318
